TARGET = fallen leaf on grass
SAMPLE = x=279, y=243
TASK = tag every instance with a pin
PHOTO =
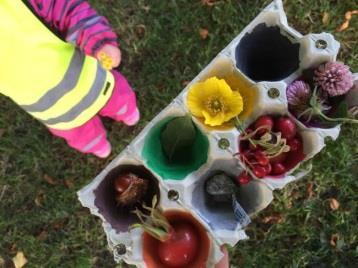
x=185, y=83
x=310, y=189
x=19, y=260
x=140, y=30
x=333, y=241
x=50, y=180
x=325, y=18
x=273, y=219
x=334, y=204
x=348, y=17
x=40, y=198
x=42, y=236
x=208, y=2
x=204, y=33
x=13, y=248
x=68, y=183
x=59, y=224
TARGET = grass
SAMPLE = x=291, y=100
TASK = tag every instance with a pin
x=162, y=49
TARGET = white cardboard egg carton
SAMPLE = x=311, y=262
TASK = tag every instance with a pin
x=223, y=227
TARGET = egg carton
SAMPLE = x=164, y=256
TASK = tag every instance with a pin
x=265, y=57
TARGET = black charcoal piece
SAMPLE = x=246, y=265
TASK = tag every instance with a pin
x=220, y=188
x=266, y=54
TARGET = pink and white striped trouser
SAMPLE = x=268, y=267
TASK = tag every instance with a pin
x=92, y=137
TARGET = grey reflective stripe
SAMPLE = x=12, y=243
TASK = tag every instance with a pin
x=67, y=84
x=86, y=102
x=92, y=144
x=123, y=110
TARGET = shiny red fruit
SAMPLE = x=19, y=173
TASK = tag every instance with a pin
x=243, y=178
x=181, y=247
x=252, y=146
x=295, y=144
x=278, y=169
x=259, y=171
x=268, y=168
x=286, y=126
x=261, y=157
x=278, y=159
x=266, y=121
x=122, y=183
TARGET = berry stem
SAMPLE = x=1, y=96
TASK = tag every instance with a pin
x=154, y=224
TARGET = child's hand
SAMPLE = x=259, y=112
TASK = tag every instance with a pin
x=113, y=53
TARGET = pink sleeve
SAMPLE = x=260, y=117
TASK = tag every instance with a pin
x=77, y=22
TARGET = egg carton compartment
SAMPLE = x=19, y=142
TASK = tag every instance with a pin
x=312, y=143
x=222, y=67
x=100, y=195
x=304, y=87
x=148, y=147
x=140, y=250
x=268, y=49
x=225, y=218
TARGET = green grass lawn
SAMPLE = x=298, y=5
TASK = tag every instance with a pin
x=162, y=49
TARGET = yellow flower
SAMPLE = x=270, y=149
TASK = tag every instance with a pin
x=214, y=101
x=105, y=60
x=248, y=94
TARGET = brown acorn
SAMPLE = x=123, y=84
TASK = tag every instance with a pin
x=130, y=189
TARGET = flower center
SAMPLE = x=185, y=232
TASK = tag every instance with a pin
x=215, y=105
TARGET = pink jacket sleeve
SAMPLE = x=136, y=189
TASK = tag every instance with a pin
x=77, y=22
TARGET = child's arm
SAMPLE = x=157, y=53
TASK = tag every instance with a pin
x=79, y=24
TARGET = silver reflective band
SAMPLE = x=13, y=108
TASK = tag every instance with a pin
x=92, y=144
x=86, y=102
x=67, y=84
x=123, y=110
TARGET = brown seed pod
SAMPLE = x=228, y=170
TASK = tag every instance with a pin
x=134, y=193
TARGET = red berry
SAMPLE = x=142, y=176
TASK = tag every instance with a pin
x=265, y=121
x=278, y=159
x=243, y=178
x=252, y=147
x=245, y=152
x=278, y=169
x=261, y=157
x=286, y=126
x=295, y=144
x=268, y=168
x=247, y=131
x=259, y=171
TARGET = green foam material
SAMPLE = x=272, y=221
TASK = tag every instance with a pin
x=156, y=160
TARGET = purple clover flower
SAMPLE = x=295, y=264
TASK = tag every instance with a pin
x=335, y=78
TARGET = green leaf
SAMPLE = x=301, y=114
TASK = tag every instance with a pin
x=177, y=137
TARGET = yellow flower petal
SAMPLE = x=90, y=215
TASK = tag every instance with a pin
x=196, y=99
x=248, y=93
x=216, y=120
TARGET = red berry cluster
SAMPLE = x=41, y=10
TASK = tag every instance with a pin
x=255, y=157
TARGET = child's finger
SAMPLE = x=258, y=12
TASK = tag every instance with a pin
x=224, y=262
